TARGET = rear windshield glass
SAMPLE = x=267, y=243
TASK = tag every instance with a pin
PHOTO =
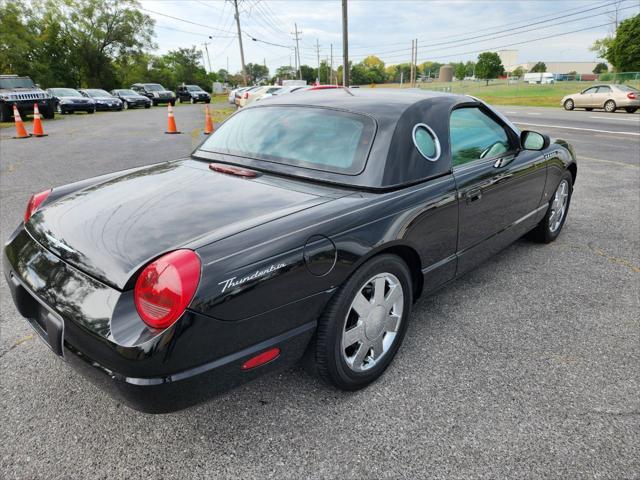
x=627, y=88
x=316, y=138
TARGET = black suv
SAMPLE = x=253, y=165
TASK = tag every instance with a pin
x=155, y=92
x=23, y=93
x=193, y=94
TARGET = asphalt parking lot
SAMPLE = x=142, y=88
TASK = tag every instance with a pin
x=528, y=367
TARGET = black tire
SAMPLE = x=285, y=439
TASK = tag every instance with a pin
x=326, y=352
x=192, y=100
x=589, y=109
x=544, y=233
x=5, y=113
x=91, y=111
x=208, y=100
x=125, y=105
x=568, y=104
x=610, y=106
x=147, y=105
x=153, y=103
x=48, y=112
x=173, y=103
x=59, y=109
x=631, y=109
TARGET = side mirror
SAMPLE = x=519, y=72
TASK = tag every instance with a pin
x=533, y=140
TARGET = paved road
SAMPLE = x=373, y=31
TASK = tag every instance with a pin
x=527, y=367
x=596, y=134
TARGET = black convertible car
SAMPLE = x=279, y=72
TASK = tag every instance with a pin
x=304, y=228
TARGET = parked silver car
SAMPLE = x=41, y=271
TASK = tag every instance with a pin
x=608, y=97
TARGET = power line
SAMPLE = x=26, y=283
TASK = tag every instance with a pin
x=182, y=20
x=493, y=36
x=522, y=43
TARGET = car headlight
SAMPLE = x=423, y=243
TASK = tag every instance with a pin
x=64, y=101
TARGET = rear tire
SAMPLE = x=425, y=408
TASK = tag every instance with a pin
x=5, y=113
x=381, y=292
x=551, y=224
x=569, y=105
x=631, y=109
x=610, y=106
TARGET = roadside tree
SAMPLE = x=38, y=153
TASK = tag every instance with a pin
x=489, y=66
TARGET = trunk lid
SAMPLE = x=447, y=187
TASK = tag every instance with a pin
x=112, y=229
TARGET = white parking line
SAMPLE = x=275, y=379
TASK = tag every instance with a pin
x=616, y=118
x=533, y=113
x=576, y=128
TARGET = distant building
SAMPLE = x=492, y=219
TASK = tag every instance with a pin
x=509, y=59
x=564, y=67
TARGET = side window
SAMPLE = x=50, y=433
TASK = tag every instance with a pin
x=474, y=135
x=604, y=90
x=591, y=90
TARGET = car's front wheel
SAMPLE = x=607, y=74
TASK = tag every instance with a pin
x=569, y=105
x=364, y=324
x=125, y=105
x=550, y=226
x=59, y=109
x=610, y=106
x=192, y=100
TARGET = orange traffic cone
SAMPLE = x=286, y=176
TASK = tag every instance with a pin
x=171, y=126
x=208, y=124
x=21, y=132
x=37, y=122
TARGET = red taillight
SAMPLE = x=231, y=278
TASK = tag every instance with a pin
x=246, y=95
x=166, y=286
x=231, y=170
x=631, y=96
x=34, y=203
x=261, y=359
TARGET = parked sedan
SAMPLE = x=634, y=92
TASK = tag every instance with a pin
x=131, y=99
x=234, y=92
x=305, y=226
x=255, y=94
x=69, y=100
x=104, y=100
x=608, y=97
x=192, y=94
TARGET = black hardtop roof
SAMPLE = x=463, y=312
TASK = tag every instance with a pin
x=375, y=102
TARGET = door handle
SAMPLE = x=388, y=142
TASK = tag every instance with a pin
x=473, y=195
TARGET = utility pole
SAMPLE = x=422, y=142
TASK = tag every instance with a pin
x=331, y=68
x=345, y=45
x=206, y=48
x=415, y=70
x=297, y=37
x=318, y=55
x=411, y=70
x=244, y=68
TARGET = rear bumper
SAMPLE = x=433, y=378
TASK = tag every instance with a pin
x=187, y=363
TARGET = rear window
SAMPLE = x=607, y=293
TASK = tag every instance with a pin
x=315, y=138
x=627, y=88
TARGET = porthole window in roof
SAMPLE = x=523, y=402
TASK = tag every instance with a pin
x=426, y=142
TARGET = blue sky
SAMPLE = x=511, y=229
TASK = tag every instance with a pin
x=385, y=28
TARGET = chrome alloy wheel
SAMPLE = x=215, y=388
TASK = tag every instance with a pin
x=372, y=322
x=559, y=206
